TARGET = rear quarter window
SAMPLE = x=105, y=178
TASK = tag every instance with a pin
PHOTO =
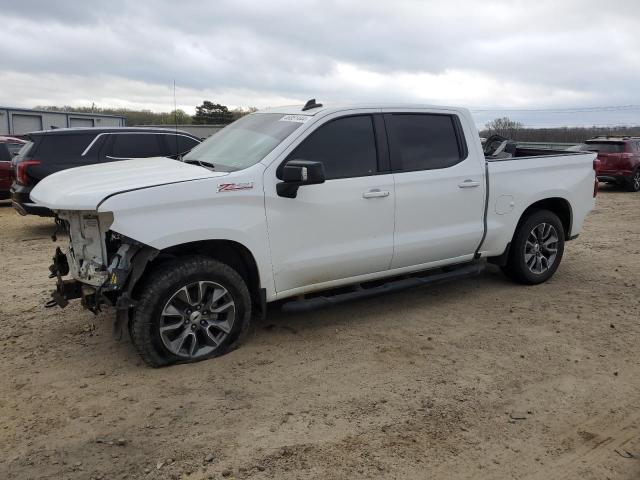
x=67, y=147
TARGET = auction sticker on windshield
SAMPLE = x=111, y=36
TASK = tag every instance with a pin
x=295, y=118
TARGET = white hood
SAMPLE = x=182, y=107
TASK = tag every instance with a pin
x=83, y=188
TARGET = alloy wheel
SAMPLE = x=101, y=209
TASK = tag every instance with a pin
x=541, y=248
x=197, y=318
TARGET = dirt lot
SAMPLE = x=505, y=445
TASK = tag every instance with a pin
x=477, y=379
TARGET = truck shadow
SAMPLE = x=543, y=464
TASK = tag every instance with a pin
x=612, y=188
x=388, y=309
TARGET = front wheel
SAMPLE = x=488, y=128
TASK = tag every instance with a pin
x=193, y=309
x=633, y=183
x=536, y=249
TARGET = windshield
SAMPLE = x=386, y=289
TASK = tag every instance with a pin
x=605, y=147
x=245, y=142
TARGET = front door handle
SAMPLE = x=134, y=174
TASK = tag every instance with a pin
x=469, y=184
x=375, y=193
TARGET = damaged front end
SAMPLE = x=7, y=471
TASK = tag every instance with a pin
x=104, y=265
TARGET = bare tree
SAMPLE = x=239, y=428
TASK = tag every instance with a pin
x=503, y=126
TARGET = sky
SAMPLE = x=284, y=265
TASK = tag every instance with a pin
x=544, y=63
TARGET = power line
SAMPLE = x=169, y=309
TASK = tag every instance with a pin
x=586, y=125
x=603, y=108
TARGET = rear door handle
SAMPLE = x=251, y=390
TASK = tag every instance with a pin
x=375, y=193
x=469, y=184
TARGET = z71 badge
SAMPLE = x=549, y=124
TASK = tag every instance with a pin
x=232, y=187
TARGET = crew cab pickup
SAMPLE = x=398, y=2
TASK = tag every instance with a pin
x=306, y=204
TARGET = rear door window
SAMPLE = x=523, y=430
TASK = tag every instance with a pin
x=424, y=141
x=345, y=146
x=136, y=145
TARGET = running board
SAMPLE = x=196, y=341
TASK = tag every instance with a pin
x=467, y=270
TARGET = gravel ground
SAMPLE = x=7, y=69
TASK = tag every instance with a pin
x=475, y=379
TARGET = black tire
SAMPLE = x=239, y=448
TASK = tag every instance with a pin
x=161, y=287
x=633, y=183
x=517, y=268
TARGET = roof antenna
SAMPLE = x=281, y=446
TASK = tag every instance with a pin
x=175, y=119
x=311, y=104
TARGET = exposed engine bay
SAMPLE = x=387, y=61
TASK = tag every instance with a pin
x=87, y=253
x=99, y=261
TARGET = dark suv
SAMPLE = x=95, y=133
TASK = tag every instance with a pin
x=50, y=151
x=619, y=160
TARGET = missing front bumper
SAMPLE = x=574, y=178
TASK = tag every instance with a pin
x=65, y=290
x=68, y=289
x=72, y=289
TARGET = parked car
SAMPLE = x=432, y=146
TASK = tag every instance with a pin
x=9, y=147
x=619, y=159
x=14, y=144
x=321, y=203
x=54, y=150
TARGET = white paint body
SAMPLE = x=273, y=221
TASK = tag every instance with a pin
x=330, y=235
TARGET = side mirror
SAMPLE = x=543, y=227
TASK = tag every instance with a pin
x=297, y=173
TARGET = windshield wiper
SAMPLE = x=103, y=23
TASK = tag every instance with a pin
x=201, y=163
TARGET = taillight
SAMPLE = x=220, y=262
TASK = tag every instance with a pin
x=21, y=170
x=596, y=184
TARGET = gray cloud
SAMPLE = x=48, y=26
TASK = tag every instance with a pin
x=492, y=53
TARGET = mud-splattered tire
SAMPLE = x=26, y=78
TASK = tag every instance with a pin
x=192, y=309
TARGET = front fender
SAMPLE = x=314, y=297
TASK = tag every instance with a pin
x=176, y=214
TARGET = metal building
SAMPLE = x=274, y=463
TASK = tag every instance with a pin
x=18, y=121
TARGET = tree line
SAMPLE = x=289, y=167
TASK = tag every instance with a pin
x=208, y=113
x=516, y=131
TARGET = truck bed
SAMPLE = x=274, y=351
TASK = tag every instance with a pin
x=529, y=152
x=534, y=175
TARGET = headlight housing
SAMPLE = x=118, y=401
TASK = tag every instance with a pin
x=87, y=254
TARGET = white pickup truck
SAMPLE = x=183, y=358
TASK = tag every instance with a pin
x=315, y=204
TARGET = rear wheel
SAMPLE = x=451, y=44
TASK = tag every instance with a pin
x=633, y=183
x=192, y=310
x=536, y=249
